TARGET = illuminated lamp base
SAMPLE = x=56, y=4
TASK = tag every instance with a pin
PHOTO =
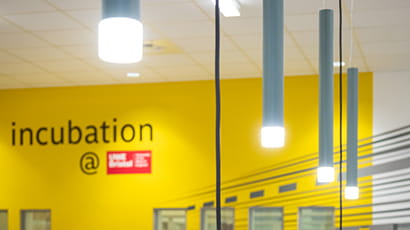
x=120, y=40
x=273, y=137
x=325, y=174
x=352, y=193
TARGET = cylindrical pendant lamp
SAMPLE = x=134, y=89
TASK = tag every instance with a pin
x=273, y=131
x=120, y=32
x=352, y=189
x=325, y=171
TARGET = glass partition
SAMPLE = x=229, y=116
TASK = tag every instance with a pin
x=208, y=219
x=265, y=218
x=316, y=218
x=36, y=219
x=3, y=220
x=170, y=219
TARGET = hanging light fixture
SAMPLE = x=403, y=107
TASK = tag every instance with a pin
x=229, y=8
x=120, y=32
x=325, y=172
x=352, y=190
x=273, y=131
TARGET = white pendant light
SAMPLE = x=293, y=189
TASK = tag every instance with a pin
x=273, y=131
x=325, y=172
x=352, y=190
x=120, y=32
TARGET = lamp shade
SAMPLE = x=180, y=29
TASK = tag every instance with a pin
x=326, y=96
x=273, y=132
x=352, y=190
x=120, y=32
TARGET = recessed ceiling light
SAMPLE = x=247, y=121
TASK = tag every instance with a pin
x=337, y=64
x=133, y=75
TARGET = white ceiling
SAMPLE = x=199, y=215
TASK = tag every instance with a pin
x=47, y=43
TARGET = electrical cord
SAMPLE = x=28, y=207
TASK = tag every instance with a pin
x=340, y=117
x=218, y=117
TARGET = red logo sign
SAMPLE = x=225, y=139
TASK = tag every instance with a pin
x=128, y=162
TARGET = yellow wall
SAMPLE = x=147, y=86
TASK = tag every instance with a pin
x=182, y=116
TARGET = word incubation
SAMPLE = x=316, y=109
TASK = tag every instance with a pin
x=106, y=132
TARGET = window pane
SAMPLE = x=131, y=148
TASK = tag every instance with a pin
x=266, y=218
x=170, y=219
x=316, y=218
x=209, y=219
x=36, y=220
x=3, y=220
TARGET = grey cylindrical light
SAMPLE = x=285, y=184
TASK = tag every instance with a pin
x=352, y=190
x=120, y=32
x=326, y=170
x=273, y=132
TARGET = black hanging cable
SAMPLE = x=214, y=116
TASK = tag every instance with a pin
x=340, y=118
x=218, y=118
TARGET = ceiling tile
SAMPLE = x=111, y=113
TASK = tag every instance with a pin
x=6, y=27
x=384, y=17
x=38, y=78
x=89, y=18
x=19, y=67
x=69, y=37
x=208, y=58
x=23, y=6
x=172, y=13
x=178, y=73
x=10, y=83
x=240, y=70
x=187, y=29
x=386, y=63
x=81, y=51
x=298, y=67
x=386, y=33
x=203, y=44
x=51, y=84
x=20, y=40
x=44, y=21
x=7, y=58
x=159, y=61
x=381, y=4
x=39, y=54
x=387, y=48
x=240, y=26
x=76, y=4
x=84, y=75
x=64, y=65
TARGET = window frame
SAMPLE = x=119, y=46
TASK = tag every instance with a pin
x=7, y=217
x=250, y=215
x=156, y=215
x=204, y=209
x=25, y=211
x=316, y=207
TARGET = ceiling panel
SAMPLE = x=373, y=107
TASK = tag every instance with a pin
x=76, y=4
x=38, y=78
x=20, y=40
x=24, y=6
x=10, y=83
x=43, y=21
x=39, y=54
x=69, y=37
x=172, y=13
x=64, y=65
x=19, y=68
x=382, y=17
x=386, y=33
x=47, y=43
